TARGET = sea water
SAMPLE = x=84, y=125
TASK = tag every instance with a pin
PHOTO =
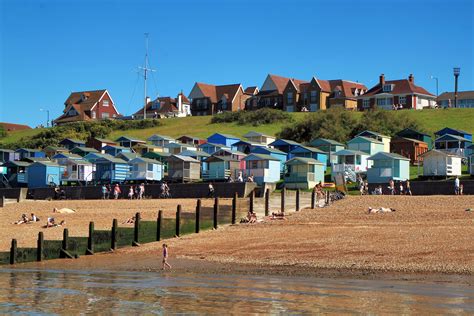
x=42, y=292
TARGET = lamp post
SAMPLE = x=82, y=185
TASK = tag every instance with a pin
x=456, y=71
x=436, y=78
x=47, y=116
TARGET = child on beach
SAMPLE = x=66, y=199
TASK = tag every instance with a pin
x=130, y=192
x=117, y=191
x=165, y=257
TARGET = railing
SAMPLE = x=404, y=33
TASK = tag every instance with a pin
x=216, y=174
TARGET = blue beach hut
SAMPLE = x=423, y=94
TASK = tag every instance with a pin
x=387, y=166
x=263, y=168
x=43, y=174
x=111, y=169
x=145, y=169
x=303, y=173
x=310, y=152
x=224, y=139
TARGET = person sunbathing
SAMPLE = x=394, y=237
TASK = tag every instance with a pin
x=24, y=219
x=130, y=220
x=381, y=210
x=64, y=210
x=52, y=223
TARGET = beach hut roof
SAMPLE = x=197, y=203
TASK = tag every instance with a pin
x=254, y=156
x=383, y=156
x=303, y=160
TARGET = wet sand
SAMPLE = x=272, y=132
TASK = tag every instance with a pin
x=427, y=238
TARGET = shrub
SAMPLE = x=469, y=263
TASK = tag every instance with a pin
x=258, y=117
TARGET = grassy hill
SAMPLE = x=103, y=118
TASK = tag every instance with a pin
x=201, y=126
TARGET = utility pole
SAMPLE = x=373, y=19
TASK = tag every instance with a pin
x=47, y=116
x=456, y=71
x=145, y=74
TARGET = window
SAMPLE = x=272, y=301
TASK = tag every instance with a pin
x=74, y=168
x=387, y=87
x=366, y=103
x=105, y=103
x=289, y=96
x=402, y=100
x=253, y=164
x=419, y=100
x=149, y=167
x=313, y=96
x=93, y=114
x=267, y=101
x=224, y=103
x=384, y=101
x=305, y=98
x=105, y=115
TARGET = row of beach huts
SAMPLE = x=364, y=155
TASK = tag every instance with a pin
x=221, y=157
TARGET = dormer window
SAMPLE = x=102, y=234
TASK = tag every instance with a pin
x=105, y=103
x=84, y=97
x=387, y=88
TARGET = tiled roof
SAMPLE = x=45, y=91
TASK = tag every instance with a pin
x=402, y=86
x=450, y=95
x=81, y=105
x=215, y=93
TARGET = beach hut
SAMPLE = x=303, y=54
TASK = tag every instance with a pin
x=257, y=137
x=350, y=162
x=263, y=168
x=410, y=148
x=310, y=152
x=77, y=170
x=99, y=143
x=377, y=136
x=17, y=173
x=329, y=146
x=161, y=157
x=388, y=166
x=437, y=163
x=303, y=173
x=111, y=169
x=114, y=150
x=191, y=140
x=471, y=164
x=8, y=155
x=220, y=168
x=92, y=157
x=410, y=133
x=129, y=142
x=50, y=151
x=246, y=146
x=211, y=148
x=371, y=146
x=183, y=169
x=234, y=154
x=160, y=140
x=29, y=153
x=452, y=131
x=198, y=155
x=144, y=148
x=275, y=153
x=63, y=158
x=454, y=144
x=284, y=145
x=43, y=174
x=224, y=139
x=145, y=169
x=177, y=148
x=83, y=151
x=71, y=143
x=127, y=156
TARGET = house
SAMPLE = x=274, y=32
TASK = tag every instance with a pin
x=441, y=163
x=318, y=94
x=177, y=148
x=77, y=170
x=351, y=162
x=8, y=155
x=129, y=142
x=87, y=106
x=145, y=169
x=368, y=145
x=263, y=168
x=454, y=144
x=191, y=140
x=44, y=174
x=220, y=168
x=310, y=152
x=377, y=136
x=465, y=99
x=410, y=148
x=261, y=138
x=224, y=139
x=207, y=99
x=50, y=151
x=17, y=173
x=285, y=145
x=11, y=127
x=388, y=166
x=111, y=169
x=127, y=156
x=71, y=143
x=271, y=93
x=303, y=173
x=160, y=140
x=99, y=143
x=83, y=151
x=183, y=169
x=29, y=153
x=413, y=134
x=144, y=148
x=275, y=153
x=329, y=146
x=63, y=158
x=114, y=150
x=211, y=148
x=165, y=107
x=396, y=94
x=246, y=146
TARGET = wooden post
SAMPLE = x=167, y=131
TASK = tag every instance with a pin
x=313, y=199
x=113, y=244
x=64, y=253
x=90, y=240
x=39, y=249
x=252, y=198
x=297, y=200
x=327, y=198
x=234, y=208
x=158, y=225
x=267, y=202
x=136, y=230
x=198, y=216
x=13, y=252
x=178, y=219
x=283, y=193
x=216, y=211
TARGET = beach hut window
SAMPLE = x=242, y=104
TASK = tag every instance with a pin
x=150, y=167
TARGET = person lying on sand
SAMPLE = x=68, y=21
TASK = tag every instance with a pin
x=381, y=210
x=130, y=220
x=279, y=215
x=23, y=220
x=250, y=218
x=34, y=218
x=64, y=210
x=52, y=223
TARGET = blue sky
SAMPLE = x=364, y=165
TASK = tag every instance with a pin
x=49, y=48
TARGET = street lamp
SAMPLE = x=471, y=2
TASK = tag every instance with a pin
x=456, y=71
x=47, y=116
x=436, y=78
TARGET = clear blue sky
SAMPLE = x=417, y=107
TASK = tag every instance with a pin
x=50, y=48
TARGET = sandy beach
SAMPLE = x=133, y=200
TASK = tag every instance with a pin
x=429, y=235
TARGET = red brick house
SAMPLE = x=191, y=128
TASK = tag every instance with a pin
x=396, y=94
x=166, y=107
x=207, y=99
x=87, y=106
x=321, y=94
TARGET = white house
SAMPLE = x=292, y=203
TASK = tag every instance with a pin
x=441, y=163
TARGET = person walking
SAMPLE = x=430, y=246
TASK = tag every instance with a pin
x=141, y=191
x=109, y=190
x=130, y=193
x=210, y=193
x=456, y=186
x=117, y=191
x=165, y=258
x=104, y=192
x=407, y=188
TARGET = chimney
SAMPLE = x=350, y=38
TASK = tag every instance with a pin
x=382, y=79
x=180, y=104
x=411, y=78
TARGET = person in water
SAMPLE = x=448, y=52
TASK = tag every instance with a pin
x=165, y=257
